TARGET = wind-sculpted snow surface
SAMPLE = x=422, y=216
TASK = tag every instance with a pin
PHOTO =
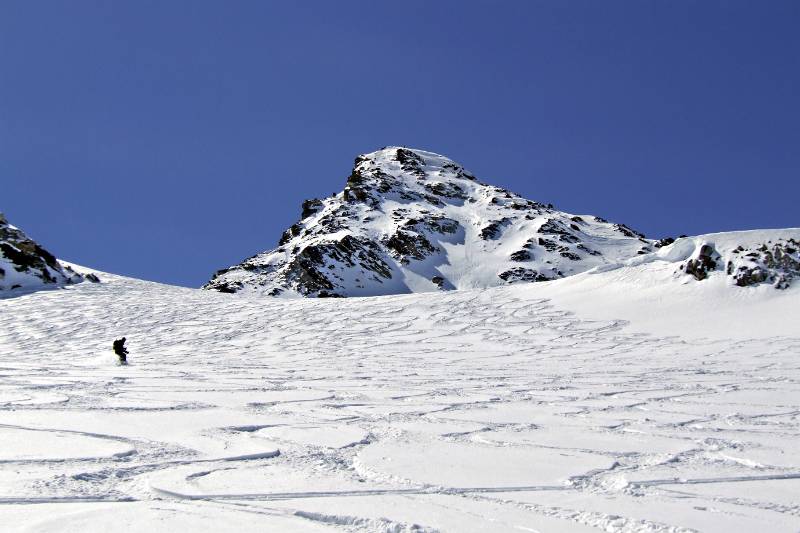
x=481, y=410
x=414, y=221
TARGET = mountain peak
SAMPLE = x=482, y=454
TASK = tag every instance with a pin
x=410, y=220
x=410, y=173
x=26, y=265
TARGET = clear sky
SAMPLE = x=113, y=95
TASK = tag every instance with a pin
x=168, y=139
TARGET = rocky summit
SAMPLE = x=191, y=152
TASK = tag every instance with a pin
x=409, y=220
x=24, y=264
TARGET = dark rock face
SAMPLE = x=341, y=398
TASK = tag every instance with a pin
x=521, y=256
x=776, y=263
x=666, y=241
x=705, y=262
x=326, y=294
x=446, y=190
x=311, y=206
x=557, y=229
x=27, y=255
x=433, y=224
x=751, y=276
x=307, y=270
x=589, y=251
x=563, y=251
x=357, y=189
x=293, y=231
x=407, y=245
x=493, y=229
x=518, y=274
x=410, y=162
x=628, y=232
x=408, y=215
x=560, y=237
x=228, y=287
x=24, y=260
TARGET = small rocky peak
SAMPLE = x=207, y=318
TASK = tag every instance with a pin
x=25, y=264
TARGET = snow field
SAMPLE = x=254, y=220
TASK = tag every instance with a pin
x=541, y=407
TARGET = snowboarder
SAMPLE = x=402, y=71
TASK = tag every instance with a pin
x=121, y=351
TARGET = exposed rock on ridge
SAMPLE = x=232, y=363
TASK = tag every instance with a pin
x=775, y=262
x=24, y=264
x=409, y=220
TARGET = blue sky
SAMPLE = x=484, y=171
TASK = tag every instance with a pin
x=165, y=140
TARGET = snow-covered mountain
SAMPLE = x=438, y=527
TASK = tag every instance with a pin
x=24, y=264
x=653, y=391
x=415, y=221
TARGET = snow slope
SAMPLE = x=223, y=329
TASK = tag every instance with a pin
x=415, y=221
x=668, y=301
x=633, y=397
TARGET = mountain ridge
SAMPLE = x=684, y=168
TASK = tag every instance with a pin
x=410, y=220
x=25, y=264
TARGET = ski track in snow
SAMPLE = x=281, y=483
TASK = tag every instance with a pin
x=482, y=410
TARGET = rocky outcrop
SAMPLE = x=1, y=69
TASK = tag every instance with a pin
x=494, y=229
x=775, y=262
x=407, y=245
x=24, y=264
x=518, y=274
x=700, y=266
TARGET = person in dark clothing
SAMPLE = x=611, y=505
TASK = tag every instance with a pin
x=121, y=351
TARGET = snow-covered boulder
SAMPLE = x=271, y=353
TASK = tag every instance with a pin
x=775, y=261
x=410, y=220
x=24, y=264
x=747, y=258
